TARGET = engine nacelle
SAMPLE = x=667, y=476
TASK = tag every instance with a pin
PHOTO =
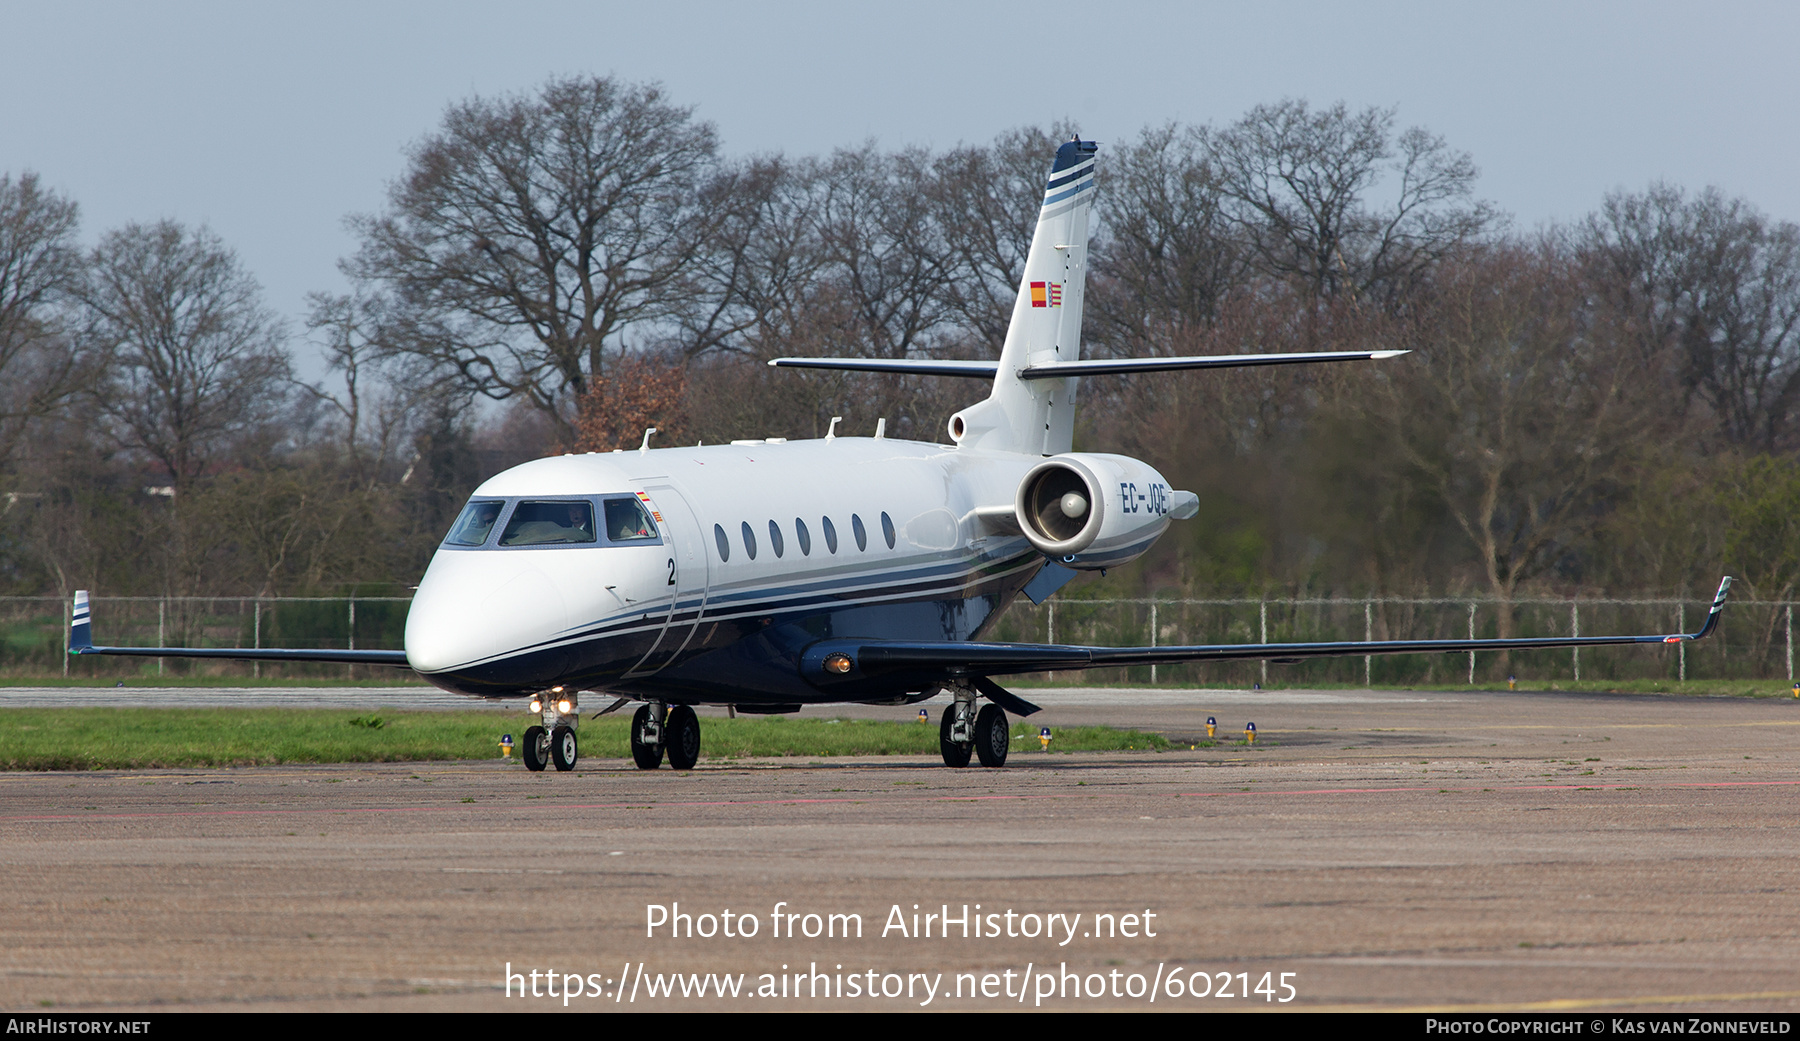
x=1093, y=511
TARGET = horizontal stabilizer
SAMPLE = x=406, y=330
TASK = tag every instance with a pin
x=984, y=370
x=81, y=641
x=1126, y=366
x=1065, y=369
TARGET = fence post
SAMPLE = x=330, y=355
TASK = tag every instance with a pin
x=161, y=640
x=1368, y=634
x=1265, y=639
x=1471, y=636
x=1051, y=631
x=1790, y=634
x=256, y=637
x=1575, y=631
x=1152, y=643
x=69, y=622
x=1681, y=627
x=350, y=670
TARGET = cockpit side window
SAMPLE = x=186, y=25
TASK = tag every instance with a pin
x=626, y=521
x=550, y=524
x=475, y=523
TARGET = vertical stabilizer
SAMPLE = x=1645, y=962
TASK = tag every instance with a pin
x=1038, y=416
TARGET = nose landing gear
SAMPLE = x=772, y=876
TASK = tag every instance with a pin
x=554, y=741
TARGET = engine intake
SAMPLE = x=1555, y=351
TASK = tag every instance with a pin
x=1060, y=507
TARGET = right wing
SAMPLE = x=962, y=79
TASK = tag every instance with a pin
x=916, y=665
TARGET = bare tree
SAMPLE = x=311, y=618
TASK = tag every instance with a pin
x=1299, y=183
x=386, y=396
x=1169, y=254
x=531, y=234
x=1717, y=283
x=40, y=365
x=753, y=288
x=1518, y=409
x=987, y=201
x=196, y=360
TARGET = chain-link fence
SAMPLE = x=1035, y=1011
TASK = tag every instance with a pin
x=1754, y=640
x=34, y=633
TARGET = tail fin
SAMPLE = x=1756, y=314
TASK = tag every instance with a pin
x=1038, y=416
x=81, y=633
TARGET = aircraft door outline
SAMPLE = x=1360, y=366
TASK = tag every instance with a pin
x=688, y=573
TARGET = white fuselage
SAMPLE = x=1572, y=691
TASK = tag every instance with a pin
x=760, y=548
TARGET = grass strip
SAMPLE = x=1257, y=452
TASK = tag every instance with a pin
x=146, y=738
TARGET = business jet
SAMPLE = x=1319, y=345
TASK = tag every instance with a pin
x=772, y=574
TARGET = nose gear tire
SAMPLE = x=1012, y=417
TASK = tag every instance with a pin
x=563, y=749
x=535, y=749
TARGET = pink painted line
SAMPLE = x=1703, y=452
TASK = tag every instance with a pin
x=887, y=797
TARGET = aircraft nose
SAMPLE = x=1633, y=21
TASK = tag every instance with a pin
x=471, y=606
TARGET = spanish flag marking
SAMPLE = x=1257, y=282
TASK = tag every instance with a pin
x=1039, y=294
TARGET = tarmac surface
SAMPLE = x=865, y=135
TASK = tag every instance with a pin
x=1386, y=851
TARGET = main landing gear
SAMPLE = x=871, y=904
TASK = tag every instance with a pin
x=963, y=730
x=554, y=741
x=657, y=729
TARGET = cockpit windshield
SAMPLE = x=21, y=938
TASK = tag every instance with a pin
x=549, y=524
x=626, y=521
x=477, y=520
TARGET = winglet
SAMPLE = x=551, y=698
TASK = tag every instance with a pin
x=81, y=633
x=1712, y=616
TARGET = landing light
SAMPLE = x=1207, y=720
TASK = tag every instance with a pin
x=537, y=705
x=839, y=663
x=564, y=706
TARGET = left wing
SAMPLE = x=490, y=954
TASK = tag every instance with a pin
x=81, y=641
x=830, y=663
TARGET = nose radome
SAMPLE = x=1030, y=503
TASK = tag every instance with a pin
x=469, y=607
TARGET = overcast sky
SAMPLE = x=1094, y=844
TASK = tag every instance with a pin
x=271, y=123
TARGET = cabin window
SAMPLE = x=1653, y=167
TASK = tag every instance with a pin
x=887, y=528
x=627, y=521
x=830, y=533
x=550, y=524
x=475, y=523
x=724, y=543
x=775, y=542
x=862, y=534
x=804, y=536
x=749, y=541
